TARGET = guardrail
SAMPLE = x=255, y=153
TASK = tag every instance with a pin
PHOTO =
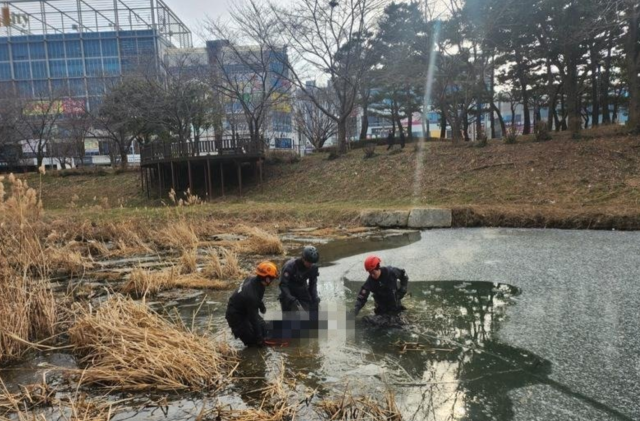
x=167, y=151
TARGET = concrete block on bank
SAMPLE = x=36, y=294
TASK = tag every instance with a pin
x=429, y=218
x=384, y=219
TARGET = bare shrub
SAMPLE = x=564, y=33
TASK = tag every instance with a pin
x=511, y=136
x=260, y=241
x=369, y=150
x=178, y=235
x=541, y=131
x=125, y=346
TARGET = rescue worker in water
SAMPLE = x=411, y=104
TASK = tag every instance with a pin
x=388, y=285
x=299, y=283
x=242, y=309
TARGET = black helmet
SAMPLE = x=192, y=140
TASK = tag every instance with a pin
x=310, y=254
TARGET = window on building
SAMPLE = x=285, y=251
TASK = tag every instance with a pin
x=5, y=71
x=94, y=66
x=111, y=66
x=146, y=45
x=4, y=52
x=20, y=51
x=36, y=50
x=95, y=86
x=76, y=86
x=104, y=147
x=283, y=143
x=73, y=49
x=109, y=47
x=39, y=69
x=91, y=48
x=94, y=103
x=58, y=68
x=21, y=70
x=55, y=49
x=75, y=68
x=128, y=47
x=129, y=64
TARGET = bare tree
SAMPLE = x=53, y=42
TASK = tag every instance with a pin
x=312, y=123
x=249, y=69
x=632, y=50
x=331, y=39
x=63, y=151
x=186, y=106
x=455, y=88
x=128, y=113
x=74, y=129
x=37, y=121
x=10, y=147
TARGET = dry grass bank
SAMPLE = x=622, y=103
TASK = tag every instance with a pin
x=575, y=181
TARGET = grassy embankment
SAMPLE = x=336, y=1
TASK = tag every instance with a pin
x=590, y=183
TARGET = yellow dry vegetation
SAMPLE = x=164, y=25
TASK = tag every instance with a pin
x=125, y=346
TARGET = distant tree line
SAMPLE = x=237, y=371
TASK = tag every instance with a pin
x=457, y=59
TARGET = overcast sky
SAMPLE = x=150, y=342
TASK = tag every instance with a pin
x=193, y=12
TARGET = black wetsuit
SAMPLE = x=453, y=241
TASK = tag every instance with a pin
x=387, y=294
x=242, y=312
x=299, y=284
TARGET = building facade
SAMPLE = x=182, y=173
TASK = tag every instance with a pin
x=70, y=52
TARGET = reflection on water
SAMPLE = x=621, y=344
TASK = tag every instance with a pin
x=448, y=364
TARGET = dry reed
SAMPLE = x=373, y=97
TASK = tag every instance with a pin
x=143, y=282
x=27, y=305
x=24, y=405
x=215, y=268
x=196, y=281
x=352, y=408
x=188, y=261
x=274, y=404
x=178, y=235
x=63, y=261
x=125, y=346
x=260, y=242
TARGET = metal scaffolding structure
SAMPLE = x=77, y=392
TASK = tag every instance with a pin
x=47, y=17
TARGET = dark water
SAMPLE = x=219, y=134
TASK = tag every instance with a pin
x=447, y=364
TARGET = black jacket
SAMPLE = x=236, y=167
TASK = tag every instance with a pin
x=386, y=292
x=298, y=283
x=245, y=303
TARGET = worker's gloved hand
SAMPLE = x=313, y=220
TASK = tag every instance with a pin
x=297, y=306
x=262, y=308
x=401, y=293
x=317, y=300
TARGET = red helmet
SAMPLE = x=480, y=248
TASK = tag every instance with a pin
x=371, y=263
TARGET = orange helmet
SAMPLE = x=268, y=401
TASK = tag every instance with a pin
x=371, y=263
x=267, y=269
